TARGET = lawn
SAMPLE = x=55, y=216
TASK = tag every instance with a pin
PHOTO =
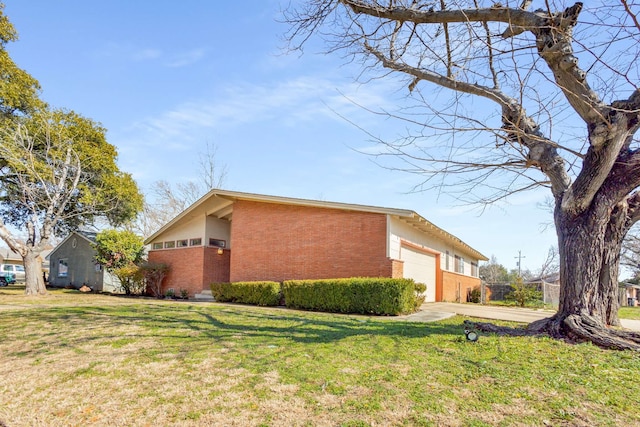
x=78, y=359
x=629, y=313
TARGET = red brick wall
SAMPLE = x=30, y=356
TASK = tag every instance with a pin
x=191, y=267
x=455, y=286
x=397, y=269
x=279, y=242
x=216, y=266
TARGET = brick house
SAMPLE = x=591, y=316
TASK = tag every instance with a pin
x=232, y=236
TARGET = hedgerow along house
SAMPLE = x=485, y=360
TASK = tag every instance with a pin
x=229, y=236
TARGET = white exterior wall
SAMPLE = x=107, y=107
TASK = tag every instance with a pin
x=218, y=229
x=190, y=230
x=400, y=230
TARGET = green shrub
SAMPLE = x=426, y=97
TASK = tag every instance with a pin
x=131, y=279
x=380, y=296
x=522, y=294
x=259, y=293
x=419, y=296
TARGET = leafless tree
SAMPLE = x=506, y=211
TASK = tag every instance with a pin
x=509, y=97
x=630, y=256
x=165, y=201
x=493, y=272
x=550, y=266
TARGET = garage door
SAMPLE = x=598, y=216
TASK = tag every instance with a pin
x=420, y=267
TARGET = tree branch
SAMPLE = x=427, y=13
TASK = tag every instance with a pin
x=520, y=128
x=518, y=17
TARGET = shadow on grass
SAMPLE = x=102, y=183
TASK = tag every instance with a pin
x=199, y=324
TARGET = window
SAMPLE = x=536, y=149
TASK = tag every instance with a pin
x=459, y=264
x=7, y=267
x=169, y=245
x=195, y=242
x=446, y=262
x=217, y=243
x=63, y=267
x=474, y=269
x=157, y=245
x=182, y=243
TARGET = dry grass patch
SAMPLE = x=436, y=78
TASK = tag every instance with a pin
x=93, y=360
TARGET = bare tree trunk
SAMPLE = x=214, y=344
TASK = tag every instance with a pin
x=589, y=246
x=34, y=282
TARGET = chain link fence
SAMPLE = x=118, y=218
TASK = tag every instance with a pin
x=498, y=291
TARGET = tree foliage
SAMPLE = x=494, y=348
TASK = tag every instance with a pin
x=57, y=170
x=118, y=248
x=18, y=90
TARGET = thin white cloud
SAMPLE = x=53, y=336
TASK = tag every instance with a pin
x=291, y=103
x=129, y=52
x=187, y=58
x=145, y=54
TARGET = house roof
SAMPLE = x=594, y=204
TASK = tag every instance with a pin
x=7, y=255
x=224, y=210
x=87, y=235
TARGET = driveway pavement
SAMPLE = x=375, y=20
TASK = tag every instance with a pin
x=433, y=311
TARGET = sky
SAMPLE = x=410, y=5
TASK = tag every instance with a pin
x=166, y=78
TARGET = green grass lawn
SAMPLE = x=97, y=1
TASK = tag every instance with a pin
x=75, y=359
x=629, y=313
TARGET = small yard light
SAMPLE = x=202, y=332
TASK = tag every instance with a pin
x=471, y=335
x=220, y=251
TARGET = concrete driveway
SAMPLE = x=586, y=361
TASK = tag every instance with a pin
x=441, y=310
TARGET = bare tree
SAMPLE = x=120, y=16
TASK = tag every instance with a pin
x=493, y=272
x=538, y=98
x=550, y=266
x=165, y=201
x=630, y=256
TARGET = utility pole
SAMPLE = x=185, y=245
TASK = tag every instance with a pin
x=520, y=256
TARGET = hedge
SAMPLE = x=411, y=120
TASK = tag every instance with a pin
x=259, y=293
x=379, y=296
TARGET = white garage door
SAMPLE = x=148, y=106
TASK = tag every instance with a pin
x=420, y=267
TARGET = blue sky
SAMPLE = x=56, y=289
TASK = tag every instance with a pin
x=166, y=78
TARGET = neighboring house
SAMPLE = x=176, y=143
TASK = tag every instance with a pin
x=629, y=295
x=72, y=263
x=232, y=236
x=11, y=261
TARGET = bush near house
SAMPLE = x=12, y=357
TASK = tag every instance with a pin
x=154, y=273
x=259, y=293
x=379, y=296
